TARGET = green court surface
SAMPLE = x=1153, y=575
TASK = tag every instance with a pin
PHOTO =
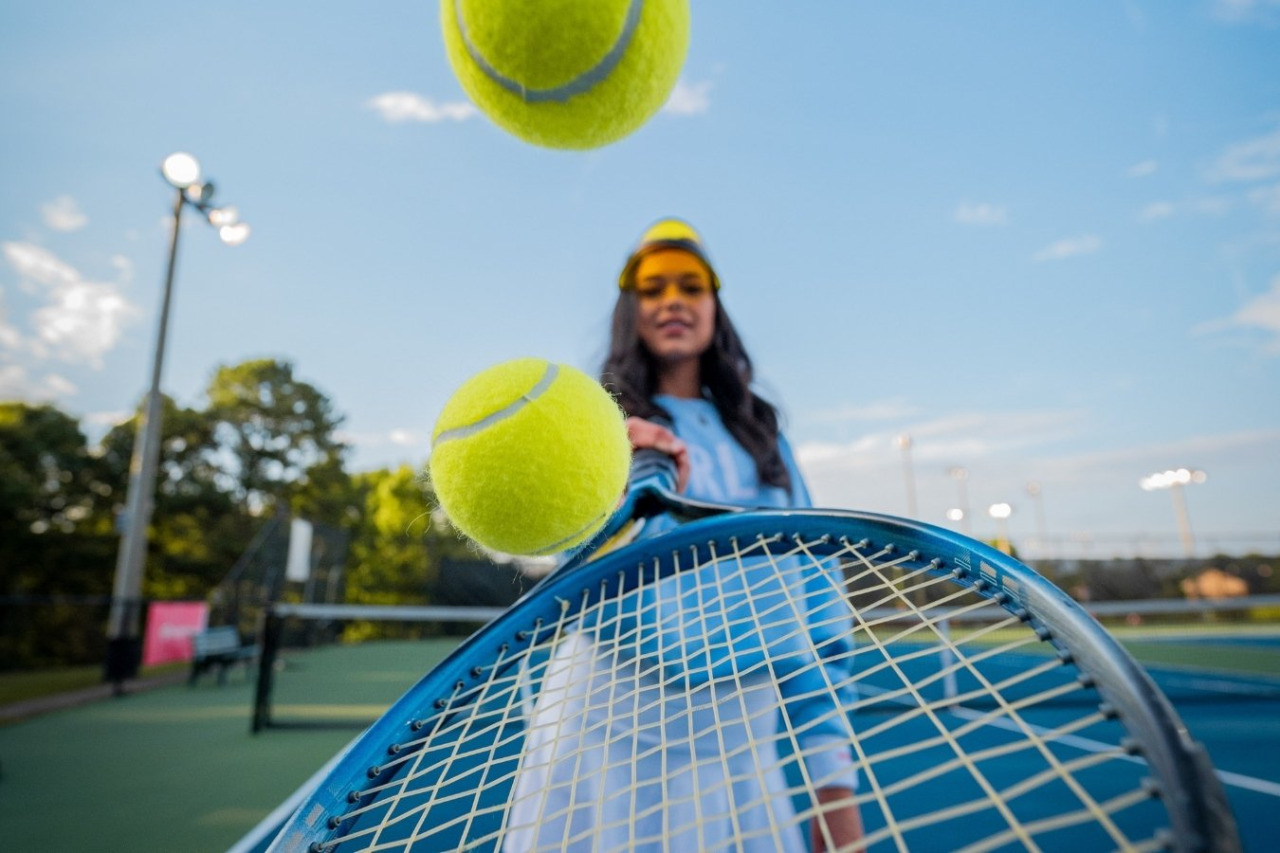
x=177, y=768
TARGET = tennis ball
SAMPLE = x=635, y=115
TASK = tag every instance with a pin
x=567, y=73
x=530, y=457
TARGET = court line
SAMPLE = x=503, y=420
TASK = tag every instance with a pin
x=1238, y=780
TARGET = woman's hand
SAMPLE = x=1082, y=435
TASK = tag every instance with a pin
x=839, y=818
x=647, y=434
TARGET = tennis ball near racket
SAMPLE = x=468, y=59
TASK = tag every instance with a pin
x=529, y=457
x=567, y=73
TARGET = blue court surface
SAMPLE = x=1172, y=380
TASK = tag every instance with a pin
x=177, y=768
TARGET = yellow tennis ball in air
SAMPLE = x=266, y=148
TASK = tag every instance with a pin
x=567, y=73
x=530, y=457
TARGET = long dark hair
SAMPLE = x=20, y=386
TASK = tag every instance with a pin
x=630, y=372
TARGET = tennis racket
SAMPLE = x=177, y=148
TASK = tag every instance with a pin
x=745, y=679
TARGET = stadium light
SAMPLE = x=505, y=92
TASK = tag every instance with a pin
x=124, y=645
x=1001, y=512
x=1174, y=480
x=961, y=476
x=903, y=443
x=1036, y=492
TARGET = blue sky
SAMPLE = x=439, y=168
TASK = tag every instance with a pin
x=1043, y=240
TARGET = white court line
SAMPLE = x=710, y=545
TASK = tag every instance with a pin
x=1238, y=780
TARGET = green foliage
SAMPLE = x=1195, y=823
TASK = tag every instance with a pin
x=265, y=440
x=398, y=546
x=278, y=430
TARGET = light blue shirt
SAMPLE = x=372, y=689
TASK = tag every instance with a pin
x=696, y=621
x=721, y=470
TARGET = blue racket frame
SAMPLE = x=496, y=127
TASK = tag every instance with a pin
x=1201, y=818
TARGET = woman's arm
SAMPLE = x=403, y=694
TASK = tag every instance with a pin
x=842, y=821
x=648, y=434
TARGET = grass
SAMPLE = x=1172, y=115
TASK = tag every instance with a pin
x=22, y=686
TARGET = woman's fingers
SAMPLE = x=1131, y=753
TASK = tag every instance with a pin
x=647, y=434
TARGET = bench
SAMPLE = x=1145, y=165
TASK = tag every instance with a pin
x=220, y=647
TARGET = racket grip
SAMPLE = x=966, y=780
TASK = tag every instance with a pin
x=651, y=467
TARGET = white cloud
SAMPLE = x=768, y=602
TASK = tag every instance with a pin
x=950, y=438
x=83, y=322
x=63, y=214
x=16, y=384
x=1070, y=247
x=1143, y=169
x=400, y=107
x=124, y=266
x=981, y=214
x=1268, y=198
x=1246, y=11
x=1157, y=210
x=405, y=437
x=107, y=419
x=39, y=265
x=882, y=410
x=689, y=99
x=1252, y=160
x=80, y=320
x=1261, y=312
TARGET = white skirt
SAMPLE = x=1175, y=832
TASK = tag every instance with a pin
x=612, y=760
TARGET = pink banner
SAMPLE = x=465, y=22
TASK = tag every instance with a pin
x=170, y=626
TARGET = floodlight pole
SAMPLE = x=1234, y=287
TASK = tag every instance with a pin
x=124, y=643
x=1174, y=480
x=903, y=443
x=1184, y=519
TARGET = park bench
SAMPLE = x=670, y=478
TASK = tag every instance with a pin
x=220, y=647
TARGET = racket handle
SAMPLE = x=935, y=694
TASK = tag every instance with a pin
x=652, y=468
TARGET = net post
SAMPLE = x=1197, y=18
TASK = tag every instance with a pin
x=272, y=628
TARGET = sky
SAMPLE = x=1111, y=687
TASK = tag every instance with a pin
x=1042, y=241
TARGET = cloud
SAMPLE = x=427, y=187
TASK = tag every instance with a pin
x=401, y=107
x=1069, y=247
x=39, y=265
x=405, y=437
x=1157, y=210
x=63, y=214
x=16, y=384
x=1246, y=11
x=124, y=267
x=1252, y=160
x=396, y=436
x=1143, y=169
x=107, y=419
x=882, y=410
x=1261, y=312
x=950, y=438
x=689, y=99
x=80, y=320
x=1268, y=198
x=981, y=214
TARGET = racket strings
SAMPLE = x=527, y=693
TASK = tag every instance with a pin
x=639, y=730
x=1057, y=770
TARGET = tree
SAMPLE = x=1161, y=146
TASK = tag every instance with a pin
x=56, y=546
x=48, y=478
x=197, y=527
x=398, y=546
x=278, y=432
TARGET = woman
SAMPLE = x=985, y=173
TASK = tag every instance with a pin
x=675, y=357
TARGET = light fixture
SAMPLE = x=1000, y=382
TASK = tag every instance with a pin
x=234, y=234
x=180, y=169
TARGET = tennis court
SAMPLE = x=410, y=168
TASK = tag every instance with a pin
x=177, y=768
